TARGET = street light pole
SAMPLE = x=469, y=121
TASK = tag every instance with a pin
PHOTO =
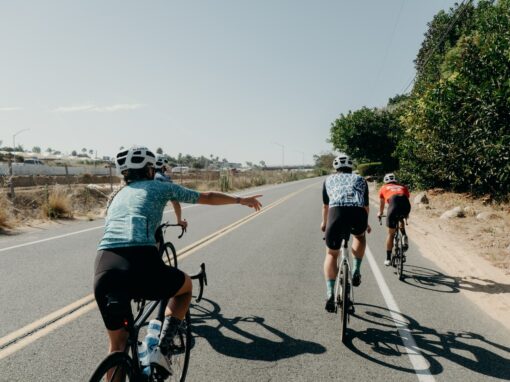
x=283, y=153
x=14, y=138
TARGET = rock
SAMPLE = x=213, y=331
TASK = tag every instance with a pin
x=488, y=216
x=421, y=198
x=456, y=212
x=470, y=211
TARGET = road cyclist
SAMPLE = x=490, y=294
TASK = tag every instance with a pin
x=345, y=211
x=161, y=167
x=128, y=264
x=396, y=196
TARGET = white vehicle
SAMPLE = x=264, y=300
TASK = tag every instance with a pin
x=180, y=169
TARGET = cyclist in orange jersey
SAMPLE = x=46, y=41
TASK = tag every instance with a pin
x=397, y=197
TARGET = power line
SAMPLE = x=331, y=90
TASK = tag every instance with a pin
x=460, y=10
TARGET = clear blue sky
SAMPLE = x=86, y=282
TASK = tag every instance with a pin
x=229, y=78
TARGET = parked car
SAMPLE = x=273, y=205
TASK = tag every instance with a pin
x=33, y=161
x=180, y=169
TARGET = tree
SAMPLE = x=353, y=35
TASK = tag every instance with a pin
x=49, y=150
x=36, y=149
x=262, y=164
x=74, y=153
x=367, y=135
x=84, y=150
x=159, y=150
x=324, y=161
x=91, y=152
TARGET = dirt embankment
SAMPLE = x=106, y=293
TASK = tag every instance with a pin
x=469, y=240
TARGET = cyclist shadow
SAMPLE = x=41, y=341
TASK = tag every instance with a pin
x=469, y=350
x=250, y=342
x=431, y=279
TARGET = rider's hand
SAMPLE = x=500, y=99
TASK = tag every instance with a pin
x=183, y=223
x=379, y=215
x=252, y=202
x=323, y=227
x=369, y=229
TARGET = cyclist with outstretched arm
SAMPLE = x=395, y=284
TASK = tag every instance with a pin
x=128, y=264
x=397, y=197
x=345, y=211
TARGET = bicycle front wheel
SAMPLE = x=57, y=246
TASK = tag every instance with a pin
x=169, y=254
x=117, y=367
x=345, y=300
x=181, y=351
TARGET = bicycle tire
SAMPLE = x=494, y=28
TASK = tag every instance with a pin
x=400, y=266
x=345, y=300
x=118, y=360
x=169, y=251
x=180, y=357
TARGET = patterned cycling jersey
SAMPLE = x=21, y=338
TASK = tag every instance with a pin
x=136, y=211
x=345, y=190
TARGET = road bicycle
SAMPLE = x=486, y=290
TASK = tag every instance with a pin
x=398, y=257
x=344, y=296
x=126, y=365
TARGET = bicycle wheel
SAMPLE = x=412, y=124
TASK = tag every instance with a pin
x=121, y=366
x=400, y=265
x=169, y=254
x=345, y=299
x=181, y=351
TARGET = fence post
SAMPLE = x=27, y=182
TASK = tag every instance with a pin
x=67, y=176
x=111, y=180
x=11, y=180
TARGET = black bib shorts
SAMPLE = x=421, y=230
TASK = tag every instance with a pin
x=132, y=272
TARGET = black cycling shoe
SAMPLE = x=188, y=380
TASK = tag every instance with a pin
x=330, y=304
x=356, y=279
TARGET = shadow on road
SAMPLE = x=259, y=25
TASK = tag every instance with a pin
x=430, y=279
x=469, y=350
x=256, y=340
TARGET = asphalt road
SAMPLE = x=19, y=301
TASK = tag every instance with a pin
x=263, y=315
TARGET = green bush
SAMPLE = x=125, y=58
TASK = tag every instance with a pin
x=371, y=169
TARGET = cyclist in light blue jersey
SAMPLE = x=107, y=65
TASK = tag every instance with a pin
x=161, y=167
x=128, y=264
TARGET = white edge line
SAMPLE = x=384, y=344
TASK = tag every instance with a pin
x=420, y=364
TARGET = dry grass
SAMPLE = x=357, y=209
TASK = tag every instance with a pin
x=6, y=217
x=58, y=205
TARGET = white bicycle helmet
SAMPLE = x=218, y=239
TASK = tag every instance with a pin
x=341, y=161
x=135, y=157
x=161, y=161
x=389, y=178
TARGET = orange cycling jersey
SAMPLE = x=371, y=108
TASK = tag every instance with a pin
x=390, y=189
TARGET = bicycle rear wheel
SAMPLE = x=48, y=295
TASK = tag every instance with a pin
x=345, y=300
x=169, y=254
x=400, y=264
x=121, y=366
x=181, y=351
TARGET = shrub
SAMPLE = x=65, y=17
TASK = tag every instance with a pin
x=5, y=213
x=224, y=183
x=371, y=169
x=58, y=205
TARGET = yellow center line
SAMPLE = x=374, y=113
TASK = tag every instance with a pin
x=30, y=333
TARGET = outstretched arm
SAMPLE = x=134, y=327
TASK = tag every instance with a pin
x=178, y=213
x=218, y=198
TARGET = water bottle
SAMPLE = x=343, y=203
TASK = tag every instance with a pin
x=152, y=338
x=143, y=353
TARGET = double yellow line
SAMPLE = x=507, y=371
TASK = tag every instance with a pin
x=30, y=333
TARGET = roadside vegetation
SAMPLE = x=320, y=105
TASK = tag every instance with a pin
x=33, y=204
x=452, y=129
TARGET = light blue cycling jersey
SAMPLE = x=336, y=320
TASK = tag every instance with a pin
x=136, y=212
x=345, y=190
